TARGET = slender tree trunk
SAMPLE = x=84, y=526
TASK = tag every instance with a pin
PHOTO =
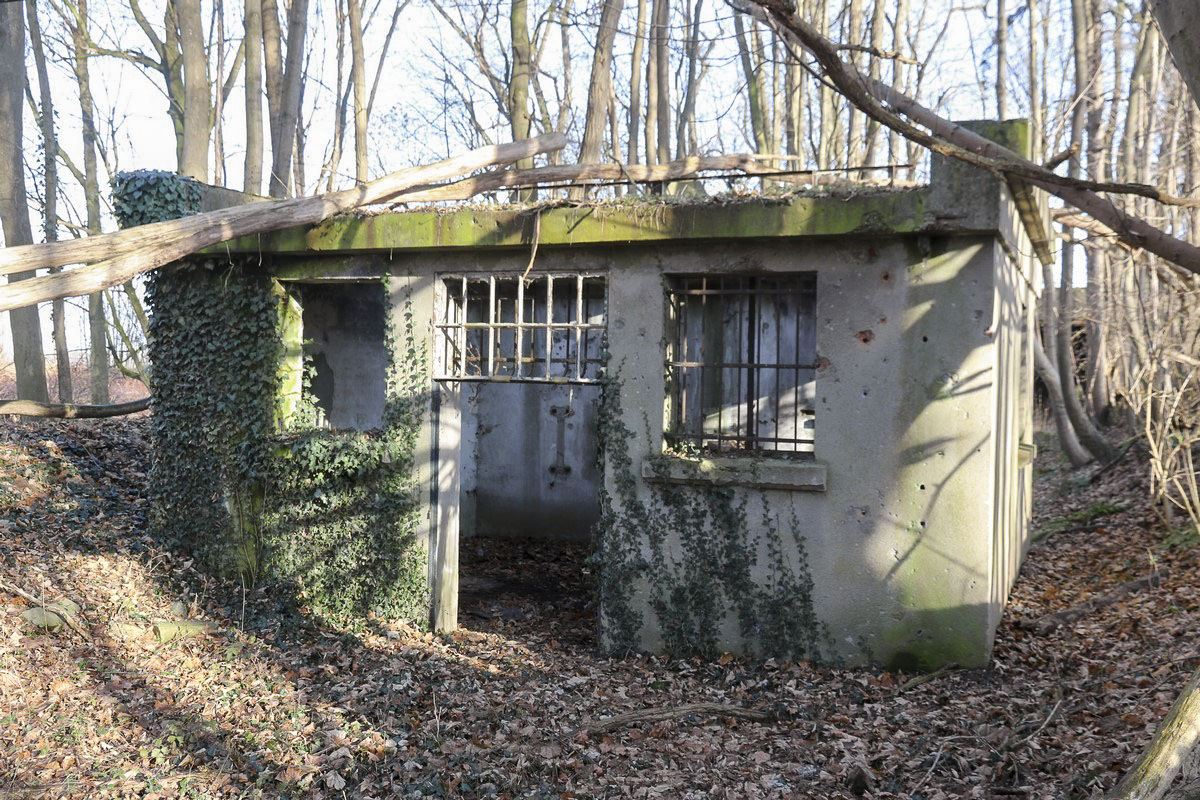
x=28, y=353
x=875, y=70
x=194, y=159
x=358, y=76
x=1001, y=60
x=652, y=88
x=662, y=62
x=252, y=182
x=754, y=99
x=687, y=113
x=599, y=88
x=854, y=27
x=97, y=324
x=518, y=85
x=1088, y=434
x=273, y=69
x=62, y=353
x=635, y=83
x=1075, y=452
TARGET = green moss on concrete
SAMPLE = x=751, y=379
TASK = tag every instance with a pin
x=875, y=212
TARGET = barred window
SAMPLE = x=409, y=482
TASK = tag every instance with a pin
x=741, y=363
x=506, y=327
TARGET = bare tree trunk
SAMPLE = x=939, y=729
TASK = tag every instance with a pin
x=273, y=68
x=1001, y=61
x=252, y=181
x=97, y=325
x=687, y=114
x=754, y=98
x=662, y=62
x=1074, y=451
x=358, y=76
x=875, y=70
x=62, y=354
x=1088, y=434
x=518, y=85
x=635, y=84
x=854, y=26
x=599, y=87
x=14, y=211
x=652, y=88
x=1177, y=21
x=286, y=113
x=194, y=160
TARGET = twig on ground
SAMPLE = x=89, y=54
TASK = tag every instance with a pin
x=616, y=721
x=69, y=619
x=913, y=683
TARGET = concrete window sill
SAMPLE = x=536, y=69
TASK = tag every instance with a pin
x=760, y=473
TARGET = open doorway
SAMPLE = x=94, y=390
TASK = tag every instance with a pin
x=518, y=361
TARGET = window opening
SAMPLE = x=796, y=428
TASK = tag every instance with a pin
x=741, y=363
x=504, y=327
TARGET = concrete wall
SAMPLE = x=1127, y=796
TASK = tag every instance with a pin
x=899, y=544
x=515, y=481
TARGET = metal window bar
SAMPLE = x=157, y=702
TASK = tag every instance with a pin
x=733, y=384
x=566, y=351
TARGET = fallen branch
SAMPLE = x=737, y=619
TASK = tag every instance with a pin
x=1113, y=461
x=30, y=408
x=913, y=683
x=586, y=173
x=889, y=107
x=612, y=723
x=117, y=257
x=60, y=610
x=1050, y=622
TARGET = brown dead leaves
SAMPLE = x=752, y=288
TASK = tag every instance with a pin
x=285, y=708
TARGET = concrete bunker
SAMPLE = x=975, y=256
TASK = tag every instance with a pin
x=811, y=411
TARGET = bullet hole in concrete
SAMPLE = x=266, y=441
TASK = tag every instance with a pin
x=887, y=276
x=924, y=338
x=865, y=336
x=922, y=489
x=922, y=523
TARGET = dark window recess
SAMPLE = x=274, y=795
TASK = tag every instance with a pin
x=741, y=363
x=346, y=350
x=505, y=327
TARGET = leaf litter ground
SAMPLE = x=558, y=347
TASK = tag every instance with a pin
x=272, y=704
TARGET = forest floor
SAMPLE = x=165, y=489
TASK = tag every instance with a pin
x=270, y=704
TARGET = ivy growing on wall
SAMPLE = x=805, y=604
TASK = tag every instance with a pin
x=688, y=555
x=342, y=518
x=333, y=515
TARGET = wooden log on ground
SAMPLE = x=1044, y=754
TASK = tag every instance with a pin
x=117, y=257
x=1172, y=751
x=29, y=408
x=1050, y=622
x=172, y=631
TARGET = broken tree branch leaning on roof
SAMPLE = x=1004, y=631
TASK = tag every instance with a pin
x=116, y=257
x=889, y=107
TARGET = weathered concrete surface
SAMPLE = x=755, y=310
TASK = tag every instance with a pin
x=515, y=483
x=914, y=513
